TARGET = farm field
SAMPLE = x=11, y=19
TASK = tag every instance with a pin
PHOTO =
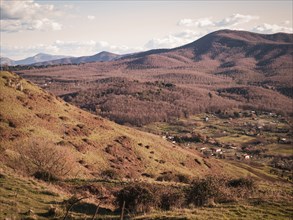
x=260, y=141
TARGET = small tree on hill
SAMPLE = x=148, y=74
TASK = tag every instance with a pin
x=171, y=198
x=46, y=161
x=137, y=198
x=202, y=191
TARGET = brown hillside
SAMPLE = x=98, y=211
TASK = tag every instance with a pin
x=32, y=116
x=223, y=60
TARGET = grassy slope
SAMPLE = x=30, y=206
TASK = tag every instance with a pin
x=18, y=195
x=265, y=210
x=34, y=113
x=19, y=124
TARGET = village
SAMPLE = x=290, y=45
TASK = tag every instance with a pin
x=253, y=137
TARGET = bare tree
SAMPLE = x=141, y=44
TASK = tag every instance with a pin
x=44, y=160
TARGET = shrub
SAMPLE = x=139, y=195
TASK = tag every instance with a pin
x=241, y=187
x=171, y=198
x=242, y=182
x=44, y=160
x=202, y=191
x=166, y=177
x=110, y=174
x=45, y=176
x=170, y=177
x=137, y=198
x=183, y=178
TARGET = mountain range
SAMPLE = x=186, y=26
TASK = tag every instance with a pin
x=48, y=59
x=222, y=70
x=40, y=57
x=216, y=43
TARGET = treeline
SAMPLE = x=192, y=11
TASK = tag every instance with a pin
x=137, y=103
x=257, y=98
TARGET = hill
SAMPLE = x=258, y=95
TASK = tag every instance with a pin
x=99, y=57
x=237, y=54
x=90, y=160
x=42, y=59
x=6, y=61
x=31, y=116
x=220, y=70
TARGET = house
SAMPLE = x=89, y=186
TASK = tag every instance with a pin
x=283, y=141
x=202, y=149
x=246, y=156
x=216, y=150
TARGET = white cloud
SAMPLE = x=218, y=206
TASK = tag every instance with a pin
x=91, y=17
x=20, y=52
x=68, y=7
x=27, y=15
x=271, y=28
x=287, y=22
x=173, y=40
x=21, y=9
x=230, y=21
x=37, y=24
x=165, y=42
x=235, y=19
x=201, y=22
x=202, y=26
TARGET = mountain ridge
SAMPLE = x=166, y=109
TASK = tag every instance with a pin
x=99, y=57
x=40, y=57
x=48, y=59
x=285, y=37
x=222, y=68
x=244, y=38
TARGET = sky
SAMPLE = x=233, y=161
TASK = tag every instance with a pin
x=80, y=27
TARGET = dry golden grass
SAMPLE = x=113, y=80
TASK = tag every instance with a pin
x=33, y=114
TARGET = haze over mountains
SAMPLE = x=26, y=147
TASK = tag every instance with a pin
x=262, y=47
x=99, y=57
x=40, y=57
x=47, y=59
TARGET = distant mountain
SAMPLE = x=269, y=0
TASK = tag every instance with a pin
x=40, y=57
x=241, y=55
x=223, y=46
x=99, y=57
x=6, y=61
x=47, y=59
x=251, y=70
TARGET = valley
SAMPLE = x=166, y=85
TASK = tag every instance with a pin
x=195, y=132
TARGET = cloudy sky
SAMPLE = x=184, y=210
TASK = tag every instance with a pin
x=78, y=28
